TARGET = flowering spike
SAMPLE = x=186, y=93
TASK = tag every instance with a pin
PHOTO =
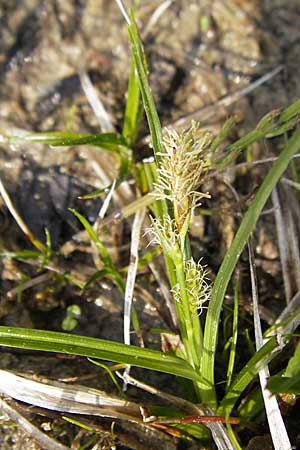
x=197, y=286
x=199, y=289
x=182, y=170
x=166, y=235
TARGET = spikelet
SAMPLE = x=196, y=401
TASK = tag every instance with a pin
x=182, y=170
x=197, y=286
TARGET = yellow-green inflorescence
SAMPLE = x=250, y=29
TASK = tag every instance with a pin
x=198, y=288
x=183, y=167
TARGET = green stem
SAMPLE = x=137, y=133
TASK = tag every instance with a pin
x=185, y=316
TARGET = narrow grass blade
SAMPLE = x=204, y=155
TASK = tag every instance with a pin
x=108, y=141
x=134, y=107
x=293, y=367
x=110, y=373
x=150, y=110
x=222, y=135
x=232, y=354
x=141, y=202
x=230, y=260
x=10, y=206
x=289, y=382
x=107, y=272
x=247, y=374
x=111, y=142
x=158, y=208
x=285, y=325
x=252, y=406
x=109, y=266
x=48, y=250
x=51, y=341
x=22, y=254
x=291, y=111
x=284, y=385
x=84, y=426
x=272, y=124
x=128, y=210
x=94, y=238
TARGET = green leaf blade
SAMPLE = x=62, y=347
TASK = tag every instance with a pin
x=89, y=347
x=108, y=141
x=247, y=374
x=230, y=260
x=149, y=106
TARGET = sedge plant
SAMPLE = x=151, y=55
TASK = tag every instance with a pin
x=182, y=162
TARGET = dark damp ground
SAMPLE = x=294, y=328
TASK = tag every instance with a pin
x=193, y=63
